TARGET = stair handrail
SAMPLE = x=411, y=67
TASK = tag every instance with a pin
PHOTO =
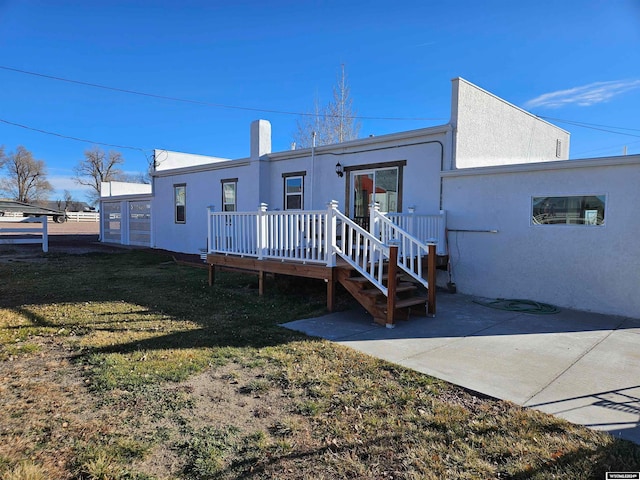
x=363, y=251
x=410, y=249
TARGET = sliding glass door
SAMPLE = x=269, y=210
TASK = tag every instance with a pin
x=369, y=186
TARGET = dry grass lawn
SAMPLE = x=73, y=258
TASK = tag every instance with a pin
x=128, y=366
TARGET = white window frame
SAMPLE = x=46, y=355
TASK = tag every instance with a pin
x=225, y=204
x=287, y=177
x=180, y=203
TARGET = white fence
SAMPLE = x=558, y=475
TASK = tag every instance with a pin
x=70, y=216
x=83, y=216
x=25, y=234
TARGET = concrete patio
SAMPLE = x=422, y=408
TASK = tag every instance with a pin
x=580, y=366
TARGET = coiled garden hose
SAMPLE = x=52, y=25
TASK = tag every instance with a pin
x=520, y=305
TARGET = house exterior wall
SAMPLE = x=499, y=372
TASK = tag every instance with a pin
x=203, y=189
x=591, y=268
x=422, y=150
x=166, y=160
x=113, y=189
x=490, y=131
x=260, y=180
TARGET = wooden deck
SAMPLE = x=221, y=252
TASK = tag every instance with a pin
x=375, y=265
x=405, y=297
x=262, y=267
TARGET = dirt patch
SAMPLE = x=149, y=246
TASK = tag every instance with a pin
x=44, y=399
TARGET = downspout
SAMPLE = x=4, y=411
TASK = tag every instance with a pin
x=441, y=169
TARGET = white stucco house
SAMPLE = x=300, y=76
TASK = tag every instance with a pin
x=522, y=220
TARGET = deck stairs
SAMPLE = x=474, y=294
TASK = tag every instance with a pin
x=409, y=297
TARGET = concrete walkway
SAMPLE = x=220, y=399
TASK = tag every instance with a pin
x=580, y=366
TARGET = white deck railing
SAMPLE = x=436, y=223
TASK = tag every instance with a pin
x=24, y=234
x=304, y=236
x=321, y=236
x=299, y=236
x=425, y=228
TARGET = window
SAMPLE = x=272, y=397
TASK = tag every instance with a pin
x=376, y=182
x=568, y=210
x=229, y=198
x=180, y=201
x=294, y=190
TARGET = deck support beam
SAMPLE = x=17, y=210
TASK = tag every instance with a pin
x=391, y=285
x=212, y=275
x=331, y=291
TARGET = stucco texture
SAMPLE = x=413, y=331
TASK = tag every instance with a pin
x=594, y=268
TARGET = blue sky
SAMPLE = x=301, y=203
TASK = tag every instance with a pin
x=570, y=60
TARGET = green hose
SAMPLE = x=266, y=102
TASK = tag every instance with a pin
x=520, y=305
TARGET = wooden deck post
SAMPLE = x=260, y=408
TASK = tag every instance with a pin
x=391, y=285
x=331, y=290
x=431, y=279
x=212, y=274
x=261, y=282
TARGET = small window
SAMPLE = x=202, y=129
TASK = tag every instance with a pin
x=229, y=198
x=558, y=148
x=293, y=193
x=180, y=201
x=570, y=210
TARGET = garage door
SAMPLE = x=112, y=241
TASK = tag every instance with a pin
x=140, y=223
x=111, y=222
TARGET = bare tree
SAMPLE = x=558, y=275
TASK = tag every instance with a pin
x=67, y=202
x=68, y=199
x=97, y=167
x=26, y=178
x=333, y=123
x=137, y=177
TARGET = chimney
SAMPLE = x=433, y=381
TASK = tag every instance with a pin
x=260, y=138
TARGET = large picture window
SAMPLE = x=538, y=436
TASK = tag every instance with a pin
x=180, y=202
x=294, y=191
x=568, y=210
x=229, y=195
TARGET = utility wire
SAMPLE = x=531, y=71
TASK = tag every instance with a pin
x=595, y=126
x=74, y=138
x=199, y=102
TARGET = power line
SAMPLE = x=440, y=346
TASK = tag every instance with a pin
x=604, y=149
x=199, y=102
x=127, y=147
x=595, y=126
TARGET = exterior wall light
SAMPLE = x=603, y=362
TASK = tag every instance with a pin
x=339, y=169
